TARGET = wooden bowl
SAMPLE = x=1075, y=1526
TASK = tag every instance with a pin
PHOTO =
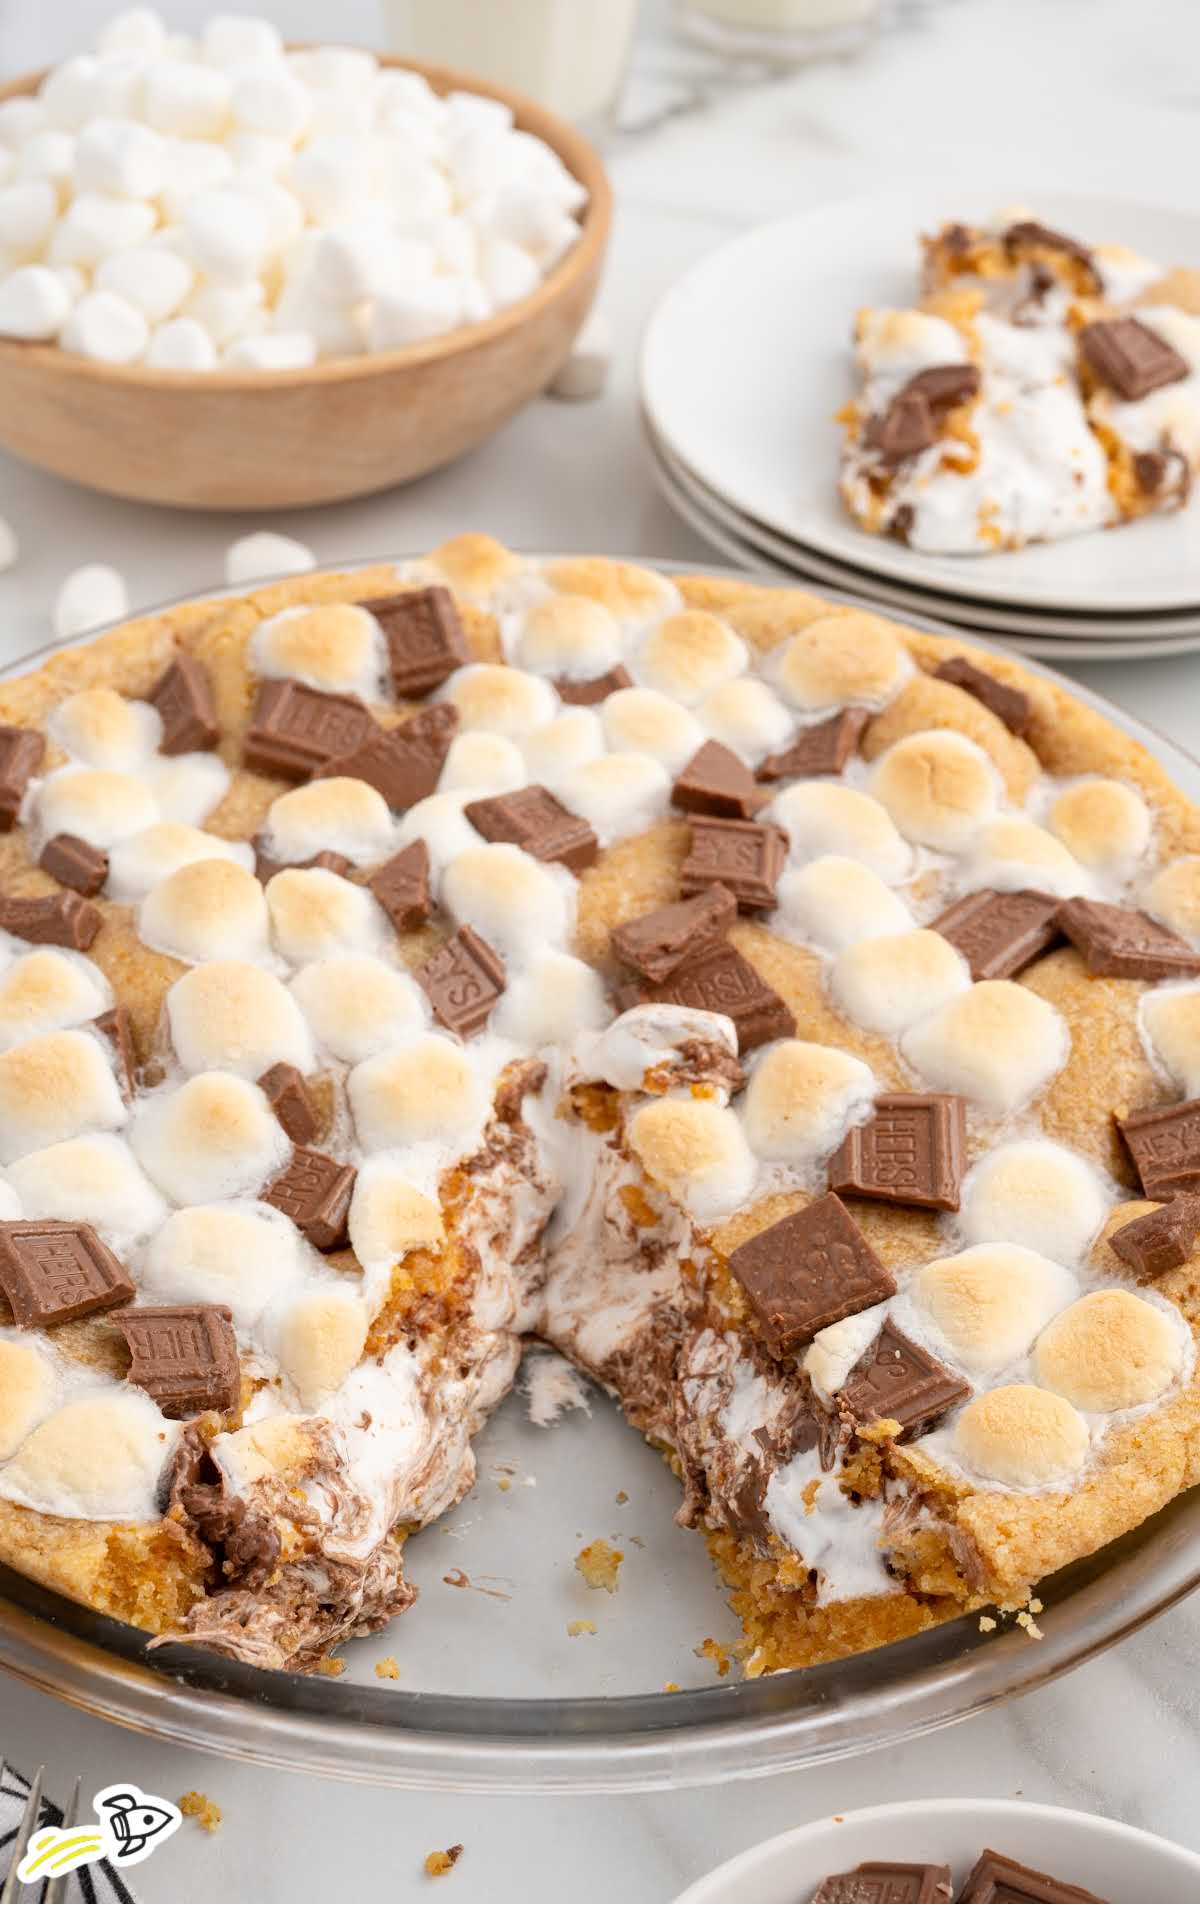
x=282, y=439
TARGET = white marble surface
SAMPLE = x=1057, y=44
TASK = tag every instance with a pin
x=1084, y=95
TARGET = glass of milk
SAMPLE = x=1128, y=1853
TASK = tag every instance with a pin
x=782, y=31
x=570, y=55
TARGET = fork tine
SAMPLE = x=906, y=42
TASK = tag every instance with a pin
x=56, y=1888
x=29, y=1818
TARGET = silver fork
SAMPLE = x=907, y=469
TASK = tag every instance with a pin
x=54, y=1890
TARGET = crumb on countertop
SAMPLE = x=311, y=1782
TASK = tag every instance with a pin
x=599, y=1564
x=711, y=1649
x=202, y=1809
x=621, y=1495
x=576, y=1628
x=670, y=1686
x=438, y=1862
x=388, y=1668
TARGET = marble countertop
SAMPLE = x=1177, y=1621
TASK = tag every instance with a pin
x=1086, y=96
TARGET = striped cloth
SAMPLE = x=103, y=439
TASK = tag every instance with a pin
x=93, y=1883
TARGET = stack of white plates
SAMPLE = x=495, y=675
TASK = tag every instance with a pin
x=746, y=361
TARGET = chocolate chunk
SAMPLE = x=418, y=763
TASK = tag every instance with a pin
x=585, y=694
x=291, y=1101
x=1029, y=235
x=21, y=752
x=1130, y=358
x=184, y=699
x=1009, y=705
x=1165, y=1147
x=403, y=764
x=295, y=730
x=886, y=1882
x=822, y=749
x=807, y=1271
x=904, y=429
x=185, y=1355
x=75, y=863
x=910, y=1152
x=945, y=386
x=657, y=943
x=744, y=855
x=718, y=979
x=53, y=1272
x=114, y=1025
x=315, y=1192
x=999, y=934
x=531, y=818
x=995, y=1877
x=1121, y=943
x=265, y=868
x=1162, y=1240
x=61, y=920
x=425, y=638
x=896, y=1379
x=463, y=981
x=401, y=885
x=716, y=781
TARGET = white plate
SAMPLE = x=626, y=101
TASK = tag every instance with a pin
x=1116, y=1862
x=748, y=357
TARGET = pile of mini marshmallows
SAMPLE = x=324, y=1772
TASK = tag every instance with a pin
x=191, y=204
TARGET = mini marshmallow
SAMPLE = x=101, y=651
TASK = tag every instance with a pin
x=484, y=764
x=504, y=701
x=193, y=165
x=120, y=158
x=1022, y=1436
x=139, y=862
x=696, y=1150
x=1170, y=1023
x=103, y=729
x=234, y=1017
x=316, y=913
x=632, y=593
x=1111, y=1350
x=236, y=39
x=570, y=741
x=106, y=328
x=85, y=87
x=689, y=655
x=1105, y=824
x=187, y=787
x=439, y=821
x=243, y=1254
x=28, y=211
x=568, y=635
x=52, y=1087
x=357, y=1006
x=186, y=99
x=1011, y=854
x=802, y=1099
x=822, y=818
x=836, y=903
x=21, y=119
x=617, y=794
x=337, y=331
x=320, y=1340
x=1173, y=896
x=366, y=259
x=214, y=1137
x=585, y=373
x=227, y=311
x=336, y=647
x=389, y=1216
x=834, y=1351
x=1035, y=1193
x=49, y=155
x=507, y=273
x=332, y=177
x=284, y=350
x=939, y=788
x=886, y=984
x=135, y=30
x=746, y=716
x=210, y=909
x=98, y=1458
x=100, y=807
x=268, y=98
x=251, y=558
x=427, y=1092
x=93, y=1180
x=47, y=991
x=649, y=1043
x=8, y=544
x=181, y=344
x=642, y=721
x=226, y=233
x=841, y=659
x=95, y=224
x=34, y=304
x=991, y=1301
x=89, y=597
x=28, y=1392
x=997, y=1044
x=261, y=155
x=516, y=903
x=346, y=816
x=551, y=1001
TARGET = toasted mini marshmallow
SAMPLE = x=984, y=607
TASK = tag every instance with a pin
x=642, y=721
x=474, y=563
x=1111, y=1350
x=187, y=787
x=649, y=1042
x=568, y=635
x=517, y=904
x=939, y=788
x=240, y=1253
x=1170, y=1020
x=743, y=714
x=836, y=903
x=617, y=794
x=93, y=1180
x=102, y=729
x=47, y=990
x=996, y=1044
x=139, y=863
x=501, y=700
x=484, y=763
x=552, y=999
x=29, y=1390
x=1035, y=1193
x=1173, y=896
x=53, y=1087
x=357, y=1006
x=840, y=660
x=802, y=1099
x=389, y=1216
x=694, y=1148
x=339, y=814
x=632, y=593
x=822, y=817
x=233, y=1017
x=691, y=654
x=569, y=741
x=440, y=822
x=1105, y=824
x=335, y=647
x=98, y=1458
x=212, y=1138
x=319, y=1341
x=1012, y=853
x=834, y=1351
x=100, y=807
x=429, y=1092
x=316, y=913
x=1022, y=1436
x=887, y=984
x=991, y=1301
x=209, y=909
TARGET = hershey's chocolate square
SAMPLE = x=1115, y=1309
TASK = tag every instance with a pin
x=291, y=1101
x=717, y=781
x=1165, y=1147
x=657, y=943
x=886, y=1882
x=63, y=919
x=403, y=764
x=53, y=1272
x=904, y=429
x=533, y=819
x=185, y=1355
x=995, y=1877
x=1129, y=357
x=1029, y=235
x=999, y=934
x=897, y=1379
x=75, y=863
x=585, y=694
x=295, y=730
x=1118, y=942
x=823, y=748
x=425, y=638
x=1161, y=1240
x=21, y=751
x=401, y=885
x=184, y=699
x=315, y=1192
x=1009, y=705
x=463, y=981
x=719, y=979
x=910, y=1152
x=807, y=1271
x=743, y=855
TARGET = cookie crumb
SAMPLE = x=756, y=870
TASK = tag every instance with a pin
x=388, y=1668
x=599, y=1564
x=576, y=1628
x=330, y=1667
x=986, y=1624
x=1030, y=1625
x=621, y=1495
x=711, y=1649
x=438, y=1862
x=1036, y=1606
x=504, y=1483
x=202, y=1809
x=670, y=1686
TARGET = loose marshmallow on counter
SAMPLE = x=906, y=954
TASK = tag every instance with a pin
x=1022, y=1436
x=484, y=764
x=555, y=997
x=389, y=1216
x=836, y=903
x=88, y=598
x=585, y=373
x=1110, y=1350
x=997, y=1044
x=1170, y=1024
x=516, y=903
x=428, y=1092
x=1011, y=854
x=689, y=655
x=504, y=701
x=210, y=909
x=48, y=991
x=569, y=741
x=939, y=787
x=34, y=304
x=316, y=913
x=98, y=1458
x=568, y=635
x=139, y=862
x=234, y=1017
x=696, y=1150
x=1173, y=896
x=1035, y=1193
x=642, y=721
x=339, y=814
x=802, y=1099
x=52, y=1087
x=187, y=787
x=181, y=344
x=92, y=1180
x=319, y=1339
x=357, y=1006
x=265, y=554
x=823, y=817
x=743, y=714
x=240, y=1253
x=103, y=729
x=100, y=807
x=617, y=794
x=29, y=1390
x=440, y=822
x=839, y=660
x=336, y=647
x=886, y=984
x=991, y=1301
x=212, y=1138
